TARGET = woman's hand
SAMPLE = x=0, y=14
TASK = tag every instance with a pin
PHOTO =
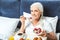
x=44, y=34
x=22, y=19
x=22, y=28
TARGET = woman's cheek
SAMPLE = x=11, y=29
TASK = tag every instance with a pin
x=37, y=17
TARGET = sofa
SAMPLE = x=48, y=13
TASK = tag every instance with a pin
x=15, y=8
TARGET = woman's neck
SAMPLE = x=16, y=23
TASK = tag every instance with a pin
x=34, y=22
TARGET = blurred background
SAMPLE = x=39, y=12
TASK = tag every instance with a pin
x=15, y=8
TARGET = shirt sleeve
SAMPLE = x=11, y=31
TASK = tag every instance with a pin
x=27, y=22
x=48, y=27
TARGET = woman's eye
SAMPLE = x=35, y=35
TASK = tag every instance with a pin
x=34, y=10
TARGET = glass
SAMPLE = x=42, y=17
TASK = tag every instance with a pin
x=11, y=38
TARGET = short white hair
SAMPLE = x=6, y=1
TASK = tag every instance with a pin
x=39, y=6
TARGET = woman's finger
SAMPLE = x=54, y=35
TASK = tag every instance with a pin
x=21, y=16
x=43, y=33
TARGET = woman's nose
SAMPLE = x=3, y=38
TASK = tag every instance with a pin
x=33, y=14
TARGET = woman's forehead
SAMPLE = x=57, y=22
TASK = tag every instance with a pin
x=34, y=8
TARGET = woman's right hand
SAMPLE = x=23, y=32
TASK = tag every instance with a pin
x=22, y=28
x=22, y=19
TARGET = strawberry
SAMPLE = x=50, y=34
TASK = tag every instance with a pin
x=37, y=30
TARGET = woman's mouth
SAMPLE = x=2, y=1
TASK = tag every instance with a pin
x=30, y=17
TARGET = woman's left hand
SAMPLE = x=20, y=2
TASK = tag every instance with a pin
x=44, y=34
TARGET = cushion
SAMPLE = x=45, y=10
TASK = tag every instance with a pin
x=10, y=8
x=7, y=26
x=52, y=21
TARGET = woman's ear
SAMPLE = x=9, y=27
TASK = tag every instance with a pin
x=40, y=16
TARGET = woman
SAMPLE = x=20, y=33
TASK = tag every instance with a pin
x=37, y=20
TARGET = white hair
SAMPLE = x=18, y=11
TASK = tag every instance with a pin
x=39, y=6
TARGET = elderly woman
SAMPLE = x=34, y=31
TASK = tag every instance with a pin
x=37, y=22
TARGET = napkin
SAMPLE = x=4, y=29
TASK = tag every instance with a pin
x=27, y=15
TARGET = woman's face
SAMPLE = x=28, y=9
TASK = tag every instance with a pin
x=35, y=12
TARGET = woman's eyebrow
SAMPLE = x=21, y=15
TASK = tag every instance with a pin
x=36, y=10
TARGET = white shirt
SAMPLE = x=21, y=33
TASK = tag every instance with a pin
x=43, y=24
